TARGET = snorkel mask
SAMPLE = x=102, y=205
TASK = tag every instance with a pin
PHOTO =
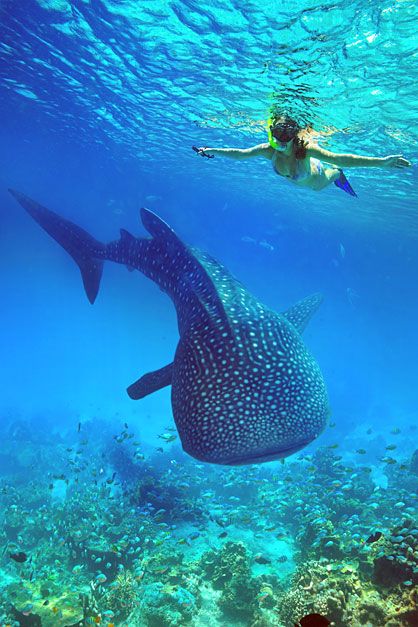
x=281, y=133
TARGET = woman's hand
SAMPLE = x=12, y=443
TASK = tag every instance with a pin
x=395, y=161
x=202, y=152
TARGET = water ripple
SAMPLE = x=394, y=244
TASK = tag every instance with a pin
x=159, y=72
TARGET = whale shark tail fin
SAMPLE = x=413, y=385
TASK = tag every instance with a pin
x=83, y=248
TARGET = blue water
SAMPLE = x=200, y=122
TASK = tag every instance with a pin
x=100, y=105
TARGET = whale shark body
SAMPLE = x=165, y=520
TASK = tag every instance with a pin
x=244, y=387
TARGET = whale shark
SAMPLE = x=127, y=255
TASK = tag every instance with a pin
x=244, y=387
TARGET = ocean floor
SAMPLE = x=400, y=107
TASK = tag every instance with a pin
x=98, y=528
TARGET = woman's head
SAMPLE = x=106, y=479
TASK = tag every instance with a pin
x=282, y=129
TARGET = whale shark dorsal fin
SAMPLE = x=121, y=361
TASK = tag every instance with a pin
x=151, y=382
x=300, y=314
x=194, y=276
x=156, y=226
x=126, y=237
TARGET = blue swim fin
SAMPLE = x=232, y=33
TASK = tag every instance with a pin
x=343, y=184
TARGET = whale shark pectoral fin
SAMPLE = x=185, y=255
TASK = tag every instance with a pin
x=151, y=382
x=300, y=314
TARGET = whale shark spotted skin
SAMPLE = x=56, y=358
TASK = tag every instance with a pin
x=244, y=388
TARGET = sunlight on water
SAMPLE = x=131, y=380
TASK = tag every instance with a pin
x=155, y=77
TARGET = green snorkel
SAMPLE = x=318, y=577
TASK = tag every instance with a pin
x=281, y=132
x=273, y=143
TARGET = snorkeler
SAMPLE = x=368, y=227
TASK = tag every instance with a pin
x=294, y=155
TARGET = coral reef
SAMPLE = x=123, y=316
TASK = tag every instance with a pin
x=395, y=559
x=229, y=571
x=171, y=544
x=165, y=606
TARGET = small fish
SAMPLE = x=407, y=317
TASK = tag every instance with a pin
x=390, y=447
x=79, y=427
x=388, y=460
x=374, y=537
x=19, y=557
x=112, y=479
x=361, y=451
x=46, y=602
x=395, y=431
x=168, y=437
x=369, y=431
x=262, y=559
x=220, y=521
x=223, y=534
x=77, y=569
x=332, y=446
x=332, y=425
x=194, y=535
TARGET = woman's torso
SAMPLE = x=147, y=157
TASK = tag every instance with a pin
x=307, y=172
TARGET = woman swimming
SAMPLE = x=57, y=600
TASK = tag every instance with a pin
x=294, y=155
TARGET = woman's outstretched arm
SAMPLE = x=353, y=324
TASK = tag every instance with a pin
x=357, y=161
x=239, y=153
